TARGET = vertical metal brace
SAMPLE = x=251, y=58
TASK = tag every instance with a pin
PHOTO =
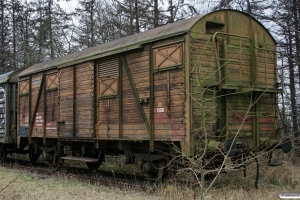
x=151, y=84
x=254, y=63
x=120, y=99
x=216, y=47
x=7, y=109
x=95, y=99
x=168, y=91
x=225, y=134
x=266, y=73
x=45, y=109
x=14, y=106
x=225, y=57
x=240, y=59
x=29, y=114
x=74, y=100
x=138, y=101
x=92, y=129
x=255, y=128
x=188, y=79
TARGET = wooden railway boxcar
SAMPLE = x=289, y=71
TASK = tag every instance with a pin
x=208, y=81
x=8, y=112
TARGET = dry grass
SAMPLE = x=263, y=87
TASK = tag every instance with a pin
x=234, y=186
x=273, y=180
x=32, y=186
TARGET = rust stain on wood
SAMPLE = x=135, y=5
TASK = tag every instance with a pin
x=266, y=120
x=240, y=117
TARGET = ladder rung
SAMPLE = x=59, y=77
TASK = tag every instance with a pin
x=230, y=60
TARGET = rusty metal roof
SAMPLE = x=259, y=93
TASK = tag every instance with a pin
x=121, y=45
x=117, y=46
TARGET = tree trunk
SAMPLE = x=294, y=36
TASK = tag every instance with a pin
x=14, y=64
x=156, y=14
x=91, y=41
x=292, y=85
x=297, y=41
x=248, y=7
x=50, y=29
x=171, y=11
x=137, y=24
x=2, y=51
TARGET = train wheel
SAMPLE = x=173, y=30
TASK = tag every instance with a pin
x=2, y=153
x=34, y=153
x=95, y=165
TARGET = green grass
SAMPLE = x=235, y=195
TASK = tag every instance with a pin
x=273, y=180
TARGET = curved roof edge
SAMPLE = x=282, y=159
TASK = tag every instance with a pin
x=11, y=76
x=124, y=44
x=5, y=77
x=249, y=16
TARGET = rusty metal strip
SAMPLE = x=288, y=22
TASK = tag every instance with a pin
x=136, y=95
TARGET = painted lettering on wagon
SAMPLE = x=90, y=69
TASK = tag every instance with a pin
x=2, y=110
x=39, y=121
x=36, y=81
x=160, y=110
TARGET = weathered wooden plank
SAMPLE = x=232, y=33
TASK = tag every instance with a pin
x=141, y=64
x=133, y=127
x=175, y=93
x=136, y=132
x=105, y=127
x=138, y=85
x=137, y=54
x=129, y=120
x=108, y=134
x=136, y=60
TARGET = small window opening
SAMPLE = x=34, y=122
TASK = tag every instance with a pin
x=212, y=27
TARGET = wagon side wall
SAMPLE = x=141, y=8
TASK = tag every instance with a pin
x=37, y=106
x=145, y=98
x=237, y=95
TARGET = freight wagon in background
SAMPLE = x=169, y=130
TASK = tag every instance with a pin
x=204, y=84
x=8, y=112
